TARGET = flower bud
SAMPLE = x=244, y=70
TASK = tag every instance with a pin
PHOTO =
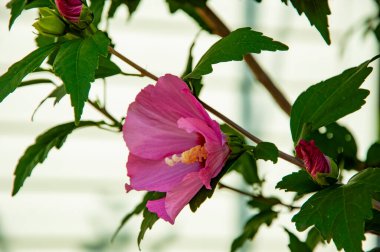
x=321, y=168
x=49, y=24
x=70, y=9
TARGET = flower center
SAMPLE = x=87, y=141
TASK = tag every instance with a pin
x=195, y=154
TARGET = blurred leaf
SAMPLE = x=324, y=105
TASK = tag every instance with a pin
x=16, y=6
x=58, y=93
x=313, y=238
x=246, y=166
x=338, y=143
x=16, y=73
x=340, y=212
x=252, y=226
x=189, y=8
x=330, y=100
x=266, y=151
x=76, y=64
x=115, y=4
x=233, y=48
x=97, y=7
x=373, y=155
x=299, y=182
x=263, y=203
x=373, y=225
x=35, y=82
x=106, y=68
x=295, y=245
x=37, y=153
x=316, y=11
x=138, y=209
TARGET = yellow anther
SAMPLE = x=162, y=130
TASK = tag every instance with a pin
x=195, y=154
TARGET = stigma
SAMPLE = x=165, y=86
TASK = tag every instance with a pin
x=193, y=155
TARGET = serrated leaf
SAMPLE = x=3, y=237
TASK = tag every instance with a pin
x=97, y=7
x=316, y=11
x=246, y=166
x=266, y=151
x=37, y=153
x=295, y=245
x=339, y=213
x=137, y=210
x=299, y=182
x=16, y=73
x=252, y=226
x=106, y=68
x=233, y=48
x=330, y=100
x=16, y=6
x=189, y=8
x=58, y=93
x=373, y=155
x=337, y=143
x=76, y=64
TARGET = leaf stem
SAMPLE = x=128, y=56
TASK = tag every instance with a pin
x=104, y=111
x=255, y=139
x=218, y=27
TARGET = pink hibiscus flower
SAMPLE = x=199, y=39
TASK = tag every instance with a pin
x=174, y=145
x=315, y=161
x=70, y=9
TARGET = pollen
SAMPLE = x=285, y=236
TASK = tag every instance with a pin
x=193, y=155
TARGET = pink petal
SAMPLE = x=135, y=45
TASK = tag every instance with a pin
x=158, y=207
x=156, y=175
x=192, y=125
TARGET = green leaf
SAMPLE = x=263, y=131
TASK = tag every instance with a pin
x=38, y=4
x=189, y=7
x=106, y=68
x=97, y=7
x=316, y=11
x=115, y=4
x=138, y=209
x=340, y=212
x=338, y=143
x=58, y=93
x=263, y=203
x=205, y=193
x=233, y=47
x=330, y=100
x=246, y=166
x=252, y=226
x=295, y=245
x=16, y=73
x=16, y=6
x=76, y=64
x=313, y=238
x=373, y=225
x=266, y=151
x=373, y=155
x=37, y=153
x=299, y=182
x=42, y=40
x=35, y=82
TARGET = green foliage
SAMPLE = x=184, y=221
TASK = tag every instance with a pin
x=373, y=155
x=252, y=227
x=115, y=4
x=233, y=48
x=38, y=4
x=262, y=203
x=316, y=11
x=37, y=153
x=266, y=151
x=189, y=7
x=76, y=63
x=330, y=100
x=137, y=210
x=339, y=212
x=295, y=245
x=58, y=93
x=313, y=238
x=299, y=182
x=373, y=225
x=97, y=7
x=106, y=68
x=338, y=143
x=16, y=6
x=16, y=73
x=246, y=166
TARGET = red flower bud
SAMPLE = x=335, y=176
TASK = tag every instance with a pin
x=70, y=9
x=315, y=161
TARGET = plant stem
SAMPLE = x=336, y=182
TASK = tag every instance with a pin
x=218, y=27
x=106, y=114
x=221, y=186
x=144, y=72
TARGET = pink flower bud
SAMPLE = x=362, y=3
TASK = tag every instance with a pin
x=315, y=161
x=70, y=9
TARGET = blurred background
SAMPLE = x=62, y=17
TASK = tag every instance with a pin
x=75, y=200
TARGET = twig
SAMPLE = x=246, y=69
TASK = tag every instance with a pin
x=106, y=114
x=219, y=28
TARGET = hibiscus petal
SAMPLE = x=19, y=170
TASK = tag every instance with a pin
x=192, y=125
x=158, y=207
x=156, y=175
